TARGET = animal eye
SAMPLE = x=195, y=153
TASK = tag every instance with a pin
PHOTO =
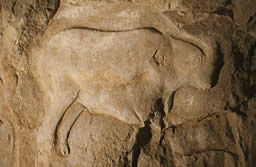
x=159, y=57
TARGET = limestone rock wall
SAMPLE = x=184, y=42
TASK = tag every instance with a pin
x=128, y=83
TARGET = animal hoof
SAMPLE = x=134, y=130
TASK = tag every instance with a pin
x=63, y=150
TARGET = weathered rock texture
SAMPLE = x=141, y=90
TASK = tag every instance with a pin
x=168, y=83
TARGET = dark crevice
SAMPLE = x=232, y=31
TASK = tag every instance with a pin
x=143, y=137
x=1, y=122
x=251, y=53
x=173, y=128
x=124, y=160
x=224, y=12
x=239, y=112
x=1, y=80
x=56, y=7
x=244, y=72
x=144, y=134
x=252, y=20
x=13, y=7
x=166, y=156
x=159, y=108
x=237, y=58
x=218, y=66
x=228, y=2
x=135, y=156
x=16, y=79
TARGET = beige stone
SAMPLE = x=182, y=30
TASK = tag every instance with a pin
x=127, y=83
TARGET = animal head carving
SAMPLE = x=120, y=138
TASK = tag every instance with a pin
x=191, y=65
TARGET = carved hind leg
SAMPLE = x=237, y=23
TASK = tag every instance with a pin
x=64, y=127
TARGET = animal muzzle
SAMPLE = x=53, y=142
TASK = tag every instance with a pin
x=203, y=78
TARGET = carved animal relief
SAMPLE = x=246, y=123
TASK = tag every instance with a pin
x=117, y=64
x=107, y=83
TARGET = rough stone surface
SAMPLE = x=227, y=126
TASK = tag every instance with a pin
x=129, y=83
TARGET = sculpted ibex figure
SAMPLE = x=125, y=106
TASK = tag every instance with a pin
x=116, y=59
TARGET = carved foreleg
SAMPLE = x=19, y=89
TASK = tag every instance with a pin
x=64, y=127
x=168, y=101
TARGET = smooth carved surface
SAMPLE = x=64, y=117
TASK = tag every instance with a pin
x=109, y=73
x=126, y=83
